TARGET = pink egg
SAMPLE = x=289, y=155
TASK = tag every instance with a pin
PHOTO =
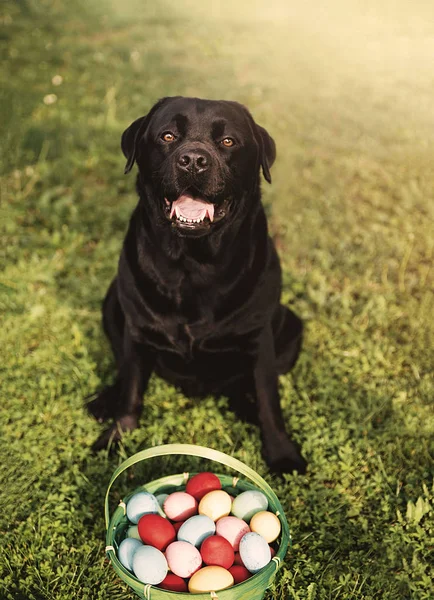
x=179, y=506
x=183, y=559
x=232, y=529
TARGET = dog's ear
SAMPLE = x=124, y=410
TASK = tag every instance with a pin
x=134, y=133
x=130, y=139
x=267, y=149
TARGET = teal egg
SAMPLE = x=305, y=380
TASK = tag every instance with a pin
x=133, y=532
x=126, y=551
x=248, y=504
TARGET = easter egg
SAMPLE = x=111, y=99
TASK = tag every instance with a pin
x=177, y=526
x=210, y=579
x=249, y=503
x=232, y=529
x=179, y=506
x=156, y=531
x=239, y=573
x=215, y=505
x=141, y=504
x=196, y=529
x=216, y=550
x=173, y=583
x=238, y=560
x=126, y=551
x=149, y=565
x=161, y=498
x=254, y=551
x=183, y=558
x=133, y=532
x=266, y=524
x=201, y=484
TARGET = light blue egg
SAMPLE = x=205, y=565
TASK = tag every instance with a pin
x=150, y=565
x=248, y=504
x=140, y=504
x=133, y=532
x=196, y=529
x=126, y=551
x=254, y=551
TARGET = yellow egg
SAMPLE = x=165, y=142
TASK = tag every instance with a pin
x=266, y=524
x=210, y=579
x=215, y=504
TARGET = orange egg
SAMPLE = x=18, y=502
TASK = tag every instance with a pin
x=210, y=579
x=215, y=505
x=266, y=524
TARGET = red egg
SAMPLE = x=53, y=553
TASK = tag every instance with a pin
x=216, y=550
x=174, y=583
x=201, y=484
x=156, y=531
x=177, y=525
x=273, y=551
x=238, y=560
x=239, y=573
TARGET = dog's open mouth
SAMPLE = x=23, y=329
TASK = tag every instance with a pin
x=188, y=212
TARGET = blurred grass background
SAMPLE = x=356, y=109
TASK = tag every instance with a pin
x=346, y=89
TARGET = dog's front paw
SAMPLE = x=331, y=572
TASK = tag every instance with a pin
x=103, y=407
x=111, y=436
x=285, y=457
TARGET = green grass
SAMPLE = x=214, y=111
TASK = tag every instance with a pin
x=346, y=91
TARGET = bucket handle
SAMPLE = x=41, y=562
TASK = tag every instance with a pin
x=200, y=452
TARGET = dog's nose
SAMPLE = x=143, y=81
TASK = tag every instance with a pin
x=195, y=160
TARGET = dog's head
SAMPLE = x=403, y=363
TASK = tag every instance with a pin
x=202, y=158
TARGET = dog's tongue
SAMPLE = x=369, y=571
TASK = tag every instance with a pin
x=192, y=208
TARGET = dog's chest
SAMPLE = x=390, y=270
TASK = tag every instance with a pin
x=194, y=326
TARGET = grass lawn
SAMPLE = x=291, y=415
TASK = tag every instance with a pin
x=346, y=89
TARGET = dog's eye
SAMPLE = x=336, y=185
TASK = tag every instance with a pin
x=228, y=142
x=168, y=137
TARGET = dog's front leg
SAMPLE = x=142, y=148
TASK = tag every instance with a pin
x=280, y=452
x=125, y=396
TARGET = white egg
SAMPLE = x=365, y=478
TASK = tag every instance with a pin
x=141, y=504
x=254, y=552
x=149, y=565
x=127, y=549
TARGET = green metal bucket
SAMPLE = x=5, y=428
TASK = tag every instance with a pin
x=253, y=588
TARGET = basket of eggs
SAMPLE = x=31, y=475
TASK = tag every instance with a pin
x=200, y=535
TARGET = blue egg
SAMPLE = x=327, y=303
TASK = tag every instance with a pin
x=150, y=565
x=126, y=551
x=196, y=529
x=140, y=504
x=254, y=551
x=248, y=504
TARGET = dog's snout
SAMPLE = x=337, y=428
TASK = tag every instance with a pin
x=195, y=161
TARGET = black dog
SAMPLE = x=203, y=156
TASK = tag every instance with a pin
x=197, y=294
